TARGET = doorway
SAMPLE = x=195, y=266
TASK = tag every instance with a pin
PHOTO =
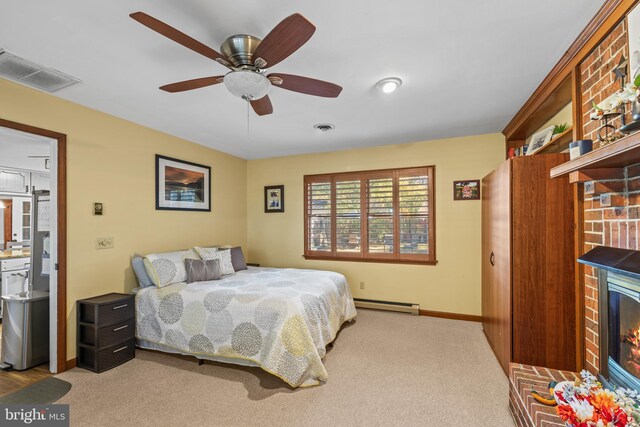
x=52, y=259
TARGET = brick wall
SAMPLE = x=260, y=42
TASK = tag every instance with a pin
x=597, y=80
x=611, y=207
x=611, y=218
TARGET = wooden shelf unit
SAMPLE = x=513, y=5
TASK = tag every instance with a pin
x=605, y=162
x=558, y=144
x=561, y=86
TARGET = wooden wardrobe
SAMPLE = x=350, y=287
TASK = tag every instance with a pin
x=528, y=263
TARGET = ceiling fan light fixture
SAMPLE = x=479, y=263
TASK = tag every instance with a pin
x=389, y=84
x=246, y=84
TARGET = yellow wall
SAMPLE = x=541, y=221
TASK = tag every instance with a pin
x=112, y=161
x=454, y=285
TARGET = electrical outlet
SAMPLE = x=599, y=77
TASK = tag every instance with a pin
x=104, y=243
x=361, y=285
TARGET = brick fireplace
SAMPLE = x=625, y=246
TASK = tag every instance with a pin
x=612, y=206
x=611, y=216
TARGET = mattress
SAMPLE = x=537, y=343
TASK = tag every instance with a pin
x=278, y=319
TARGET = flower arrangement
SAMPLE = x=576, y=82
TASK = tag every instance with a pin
x=586, y=404
x=630, y=93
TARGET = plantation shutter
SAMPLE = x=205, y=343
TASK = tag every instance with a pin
x=413, y=212
x=319, y=227
x=384, y=216
x=348, y=216
x=380, y=215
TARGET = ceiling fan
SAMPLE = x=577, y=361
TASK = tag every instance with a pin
x=247, y=57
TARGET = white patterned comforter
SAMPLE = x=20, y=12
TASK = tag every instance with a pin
x=280, y=319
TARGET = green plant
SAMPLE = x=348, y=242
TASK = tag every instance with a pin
x=636, y=82
x=595, y=106
x=560, y=128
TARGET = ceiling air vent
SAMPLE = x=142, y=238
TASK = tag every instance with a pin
x=22, y=71
x=324, y=127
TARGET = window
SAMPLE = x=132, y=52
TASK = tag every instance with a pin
x=384, y=216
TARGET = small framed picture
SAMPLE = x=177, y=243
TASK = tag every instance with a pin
x=182, y=186
x=274, y=198
x=466, y=190
x=539, y=139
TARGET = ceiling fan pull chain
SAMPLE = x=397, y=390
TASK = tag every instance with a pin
x=248, y=117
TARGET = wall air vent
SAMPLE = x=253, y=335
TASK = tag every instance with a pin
x=22, y=71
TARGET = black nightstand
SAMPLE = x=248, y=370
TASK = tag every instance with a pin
x=106, y=331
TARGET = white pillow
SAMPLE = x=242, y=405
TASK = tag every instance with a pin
x=168, y=268
x=224, y=255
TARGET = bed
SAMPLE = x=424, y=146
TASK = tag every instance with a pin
x=280, y=320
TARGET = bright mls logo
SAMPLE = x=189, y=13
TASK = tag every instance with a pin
x=34, y=415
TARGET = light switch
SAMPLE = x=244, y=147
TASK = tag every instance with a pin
x=104, y=243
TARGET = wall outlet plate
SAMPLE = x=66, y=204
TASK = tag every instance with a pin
x=104, y=243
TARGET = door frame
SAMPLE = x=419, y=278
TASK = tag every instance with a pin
x=61, y=363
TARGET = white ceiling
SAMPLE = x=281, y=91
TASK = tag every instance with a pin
x=467, y=66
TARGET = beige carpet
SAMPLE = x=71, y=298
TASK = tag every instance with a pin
x=385, y=369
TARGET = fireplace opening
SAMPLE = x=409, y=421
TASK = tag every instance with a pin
x=624, y=331
x=618, y=314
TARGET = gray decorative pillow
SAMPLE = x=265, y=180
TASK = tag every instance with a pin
x=202, y=270
x=237, y=259
x=138, y=267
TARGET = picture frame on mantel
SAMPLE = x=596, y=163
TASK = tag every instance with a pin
x=182, y=185
x=466, y=190
x=273, y=198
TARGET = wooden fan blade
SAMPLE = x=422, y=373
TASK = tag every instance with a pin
x=175, y=35
x=192, y=84
x=262, y=106
x=306, y=85
x=287, y=37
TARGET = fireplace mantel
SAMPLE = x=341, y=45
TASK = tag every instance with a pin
x=621, y=261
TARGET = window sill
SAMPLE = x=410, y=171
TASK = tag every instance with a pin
x=376, y=260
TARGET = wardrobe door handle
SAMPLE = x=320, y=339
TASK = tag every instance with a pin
x=492, y=258
x=120, y=306
x=120, y=349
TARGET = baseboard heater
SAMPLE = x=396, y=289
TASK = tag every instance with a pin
x=403, y=307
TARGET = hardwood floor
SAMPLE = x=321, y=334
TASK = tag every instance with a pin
x=15, y=380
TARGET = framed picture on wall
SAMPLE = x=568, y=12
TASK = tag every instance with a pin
x=274, y=198
x=466, y=190
x=182, y=186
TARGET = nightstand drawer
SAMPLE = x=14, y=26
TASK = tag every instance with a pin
x=108, y=335
x=116, y=333
x=107, y=358
x=110, y=314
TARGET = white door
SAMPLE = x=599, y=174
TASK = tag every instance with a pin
x=21, y=219
x=40, y=181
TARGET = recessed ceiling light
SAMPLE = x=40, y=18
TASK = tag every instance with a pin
x=324, y=127
x=389, y=84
